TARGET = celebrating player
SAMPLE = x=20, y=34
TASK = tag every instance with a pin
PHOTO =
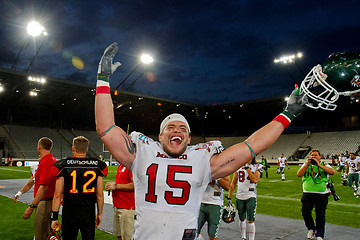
x=170, y=177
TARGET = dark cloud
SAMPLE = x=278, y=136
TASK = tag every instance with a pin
x=215, y=51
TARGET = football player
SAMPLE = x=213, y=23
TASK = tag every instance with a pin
x=352, y=170
x=281, y=165
x=342, y=165
x=211, y=207
x=170, y=176
x=246, y=179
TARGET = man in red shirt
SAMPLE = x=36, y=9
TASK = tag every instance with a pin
x=43, y=191
x=124, y=203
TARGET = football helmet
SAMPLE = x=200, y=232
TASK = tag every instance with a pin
x=345, y=182
x=228, y=214
x=338, y=75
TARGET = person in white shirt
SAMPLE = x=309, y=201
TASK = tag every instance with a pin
x=211, y=207
x=342, y=165
x=170, y=177
x=246, y=179
x=353, y=168
x=281, y=166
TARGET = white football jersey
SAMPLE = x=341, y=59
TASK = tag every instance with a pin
x=353, y=165
x=213, y=194
x=342, y=161
x=245, y=187
x=168, y=191
x=281, y=161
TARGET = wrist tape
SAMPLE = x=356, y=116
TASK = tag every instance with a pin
x=55, y=215
x=102, y=84
x=284, y=118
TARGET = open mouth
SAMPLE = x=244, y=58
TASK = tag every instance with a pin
x=176, y=140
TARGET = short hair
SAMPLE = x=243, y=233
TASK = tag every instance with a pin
x=46, y=143
x=81, y=144
x=316, y=150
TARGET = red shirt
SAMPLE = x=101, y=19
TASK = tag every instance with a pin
x=43, y=176
x=123, y=199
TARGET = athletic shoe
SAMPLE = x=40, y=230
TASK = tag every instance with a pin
x=319, y=238
x=243, y=239
x=311, y=234
x=355, y=193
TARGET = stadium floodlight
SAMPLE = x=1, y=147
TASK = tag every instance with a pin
x=41, y=80
x=144, y=59
x=33, y=93
x=34, y=29
x=288, y=58
x=1, y=88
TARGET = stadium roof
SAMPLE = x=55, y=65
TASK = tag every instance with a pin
x=68, y=104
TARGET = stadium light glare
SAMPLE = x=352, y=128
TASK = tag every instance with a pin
x=288, y=58
x=33, y=93
x=146, y=58
x=34, y=29
x=1, y=88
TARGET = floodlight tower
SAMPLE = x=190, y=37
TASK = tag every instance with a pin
x=34, y=29
x=144, y=60
x=290, y=59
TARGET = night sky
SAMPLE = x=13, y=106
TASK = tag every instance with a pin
x=205, y=52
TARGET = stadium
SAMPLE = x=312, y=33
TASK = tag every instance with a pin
x=64, y=109
x=213, y=66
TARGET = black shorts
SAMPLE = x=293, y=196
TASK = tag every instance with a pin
x=78, y=218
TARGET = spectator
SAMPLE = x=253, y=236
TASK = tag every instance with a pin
x=124, y=203
x=43, y=191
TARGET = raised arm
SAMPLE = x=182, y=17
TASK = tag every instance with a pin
x=115, y=139
x=236, y=156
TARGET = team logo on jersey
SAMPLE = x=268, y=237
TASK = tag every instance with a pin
x=205, y=146
x=163, y=155
x=355, y=82
x=144, y=139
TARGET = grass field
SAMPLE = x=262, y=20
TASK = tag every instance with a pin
x=275, y=197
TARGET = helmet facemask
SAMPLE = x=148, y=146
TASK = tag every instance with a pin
x=320, y=93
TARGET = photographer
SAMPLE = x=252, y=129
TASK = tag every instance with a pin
x=314, y=173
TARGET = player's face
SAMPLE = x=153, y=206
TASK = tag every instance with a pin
x=175, y=138
x=352, y=156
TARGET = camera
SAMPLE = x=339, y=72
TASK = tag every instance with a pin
x=330, y=185
x=313, y=162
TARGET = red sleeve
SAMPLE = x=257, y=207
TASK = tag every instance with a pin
x=105, y=171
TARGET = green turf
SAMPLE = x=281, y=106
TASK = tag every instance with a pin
x=282, y=198
x=14, y=227
x=275, y=198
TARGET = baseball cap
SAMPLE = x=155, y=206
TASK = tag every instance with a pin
x=171, y=118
